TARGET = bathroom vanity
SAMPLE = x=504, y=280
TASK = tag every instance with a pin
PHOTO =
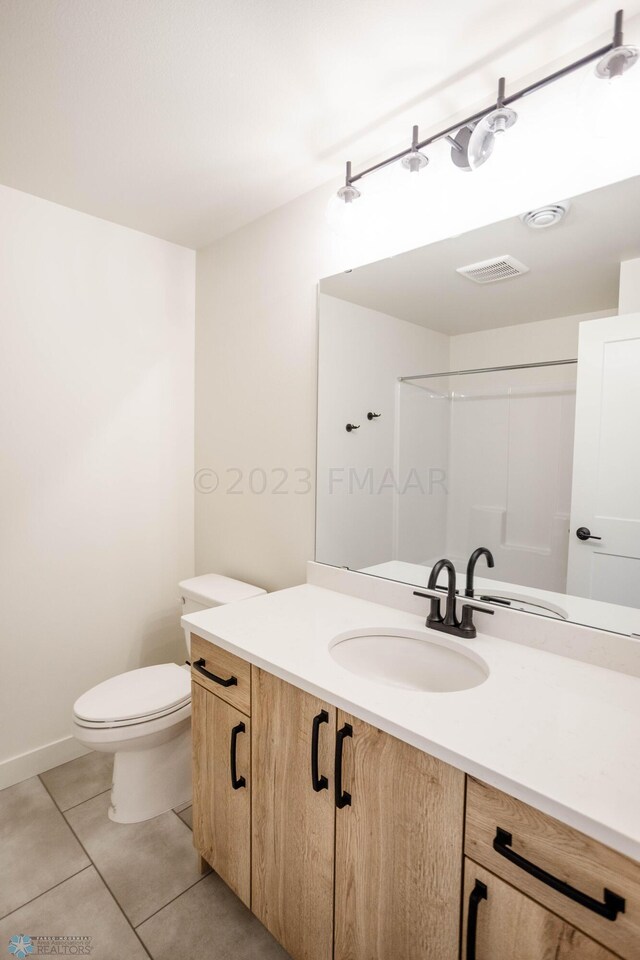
x=360, y=819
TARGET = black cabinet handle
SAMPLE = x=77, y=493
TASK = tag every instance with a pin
x=199, y=665
x=343, y=799
x=478, y=893
x=236, y=781
x=611, y=906
x=583, y=533
x=319, y=783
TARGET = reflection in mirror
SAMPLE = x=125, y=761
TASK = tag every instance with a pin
x=494, y=379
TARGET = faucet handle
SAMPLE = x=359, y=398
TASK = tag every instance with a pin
x=467, y=626
x=435, y=596
x=429, y=594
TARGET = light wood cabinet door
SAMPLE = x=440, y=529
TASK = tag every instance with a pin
x=569, y=873
x=293, y=824
x=507, y=925
x=399, y=841
x=222, y=789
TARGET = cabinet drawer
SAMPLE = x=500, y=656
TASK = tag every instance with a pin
x=222, y=673
x=556, y=865
x=501, y=923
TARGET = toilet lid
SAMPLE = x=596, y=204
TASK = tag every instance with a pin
x=135, y=695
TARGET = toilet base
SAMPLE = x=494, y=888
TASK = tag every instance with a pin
x=152, y=781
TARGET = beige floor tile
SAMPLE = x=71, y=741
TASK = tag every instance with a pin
x=79, y=780
x=186, y=816
x=83, y=907
x=38, y=848
x=145, y=865
x=214, y=923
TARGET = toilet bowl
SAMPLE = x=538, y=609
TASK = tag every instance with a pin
x=143, y=717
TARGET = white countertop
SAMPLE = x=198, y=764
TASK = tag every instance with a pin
x=559, y=734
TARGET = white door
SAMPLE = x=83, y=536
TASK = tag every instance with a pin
x=606, y=464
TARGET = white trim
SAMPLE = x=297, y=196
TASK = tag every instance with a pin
x=29, y=764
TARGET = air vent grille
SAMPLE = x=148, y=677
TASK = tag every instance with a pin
x=490, y=271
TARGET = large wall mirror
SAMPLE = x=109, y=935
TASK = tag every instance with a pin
x=484, y=391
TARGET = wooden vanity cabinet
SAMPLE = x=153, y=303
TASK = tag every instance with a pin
x=398, y=849
x=293, y=827
x=222, y=788
x=501, y=923
x=588, y=886
x=359, y=855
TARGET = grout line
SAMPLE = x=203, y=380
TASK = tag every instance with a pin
x=48, y=890
x=173, y=900
x=86, y=800
x=181, y=820
x=108, y=888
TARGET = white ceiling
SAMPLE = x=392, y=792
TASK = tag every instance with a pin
x=574, y=269
x=189, y=118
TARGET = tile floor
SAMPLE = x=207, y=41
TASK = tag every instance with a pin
x=135, y=889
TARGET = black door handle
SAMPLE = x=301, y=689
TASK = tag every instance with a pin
x=611, y=906
x=343, y=799
x=478, y=893
x=319, y=783
x=236, y=781
x=199, y=665
x=583, y=533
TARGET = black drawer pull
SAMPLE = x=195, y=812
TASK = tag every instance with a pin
x=478, y=893
x=611, y=906
x=319, y=783
x=199, y=665
x=236, y=781
x=343, y=799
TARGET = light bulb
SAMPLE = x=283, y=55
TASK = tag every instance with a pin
x=610, y=93
x=485, y=133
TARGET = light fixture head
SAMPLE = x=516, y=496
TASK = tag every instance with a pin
x=347, y=192
x=414, y=161
x=484, y=134
x=616, y=62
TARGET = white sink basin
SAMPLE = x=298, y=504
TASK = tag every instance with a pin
x=409, y=659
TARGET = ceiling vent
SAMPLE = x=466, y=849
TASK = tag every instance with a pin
x=490, y=271
x=546, y=216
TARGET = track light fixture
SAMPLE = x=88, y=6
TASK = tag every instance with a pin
x=473, y=140
x=348, y=192
x=493, y=125
x=414, y=160
x=620, y=58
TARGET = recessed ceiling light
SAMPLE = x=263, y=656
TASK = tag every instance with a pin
x=546, y=216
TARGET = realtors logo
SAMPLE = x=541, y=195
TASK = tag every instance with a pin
x=20, y=946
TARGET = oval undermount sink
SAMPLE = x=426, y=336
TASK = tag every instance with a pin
x=409, y=659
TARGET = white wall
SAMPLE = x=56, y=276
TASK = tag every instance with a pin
x=256, y=320
x=630, y=286
x=362, y=353
x=96, y=433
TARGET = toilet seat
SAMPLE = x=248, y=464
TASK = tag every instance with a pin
x=136, y=697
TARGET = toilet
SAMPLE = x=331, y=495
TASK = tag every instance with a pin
x=143, y=717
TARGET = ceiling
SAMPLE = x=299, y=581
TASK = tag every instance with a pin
x=574, y=269
x=189, y=118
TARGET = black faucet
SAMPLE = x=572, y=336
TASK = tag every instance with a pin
x=471, y=567
x=449, y=623
x=450, y=611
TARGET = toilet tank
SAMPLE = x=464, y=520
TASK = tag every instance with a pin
x=212, y=590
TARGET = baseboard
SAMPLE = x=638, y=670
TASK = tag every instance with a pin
x=36, y=761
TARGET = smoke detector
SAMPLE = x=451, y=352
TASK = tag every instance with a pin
x=546, y=216
x=490, y=271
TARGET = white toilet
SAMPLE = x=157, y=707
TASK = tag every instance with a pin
x=144, y=718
